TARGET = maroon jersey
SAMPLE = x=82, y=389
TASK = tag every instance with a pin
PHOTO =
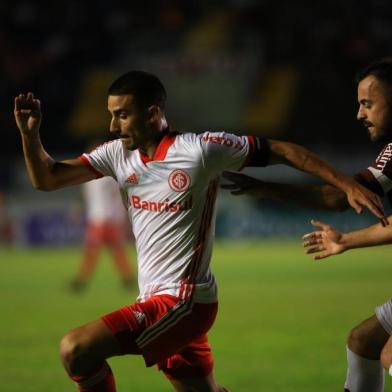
x=378, y=176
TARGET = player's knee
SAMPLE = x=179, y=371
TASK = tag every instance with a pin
x=386, y=357
x=360, y=342
x=364, y=343
x=72, y=353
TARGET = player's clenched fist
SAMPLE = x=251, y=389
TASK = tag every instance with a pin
x=27, y=113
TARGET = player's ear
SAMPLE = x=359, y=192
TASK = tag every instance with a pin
x=154, y=115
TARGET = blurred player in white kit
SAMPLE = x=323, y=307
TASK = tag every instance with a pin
x=107, y=225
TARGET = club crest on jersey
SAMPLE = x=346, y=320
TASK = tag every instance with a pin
x=132, y=179
x=179, y=180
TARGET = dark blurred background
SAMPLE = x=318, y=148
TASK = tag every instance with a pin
x=281, y=68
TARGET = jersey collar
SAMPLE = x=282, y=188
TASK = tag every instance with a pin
x=161, y=151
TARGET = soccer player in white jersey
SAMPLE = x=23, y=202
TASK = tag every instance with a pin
x=106, y=226
x=171, y=182
x=367, y=340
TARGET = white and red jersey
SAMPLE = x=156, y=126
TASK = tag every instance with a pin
x=171, y=203
x=378, y=176
x=103, y=201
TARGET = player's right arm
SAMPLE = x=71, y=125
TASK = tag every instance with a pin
x=45, y=173
x=322, y=196
x=328, y=241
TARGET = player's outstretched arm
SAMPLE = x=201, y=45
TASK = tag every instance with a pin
x=44, y=172
x=328, y=241
x=302, y=159
x=322, y=197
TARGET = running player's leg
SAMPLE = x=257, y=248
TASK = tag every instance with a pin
x=166, y=331
x=84, y=351
x=364, y=346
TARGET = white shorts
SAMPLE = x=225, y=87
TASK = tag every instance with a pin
x=384, y=315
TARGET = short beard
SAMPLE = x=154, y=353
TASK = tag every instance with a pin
x=385, y=134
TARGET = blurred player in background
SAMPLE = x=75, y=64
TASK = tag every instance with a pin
x=170, y=180
x=366, y=341
x=6, y=226
x=106, y=225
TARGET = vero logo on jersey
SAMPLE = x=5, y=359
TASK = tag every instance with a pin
x=132, y=179
x=179, y=180
x=225, y=141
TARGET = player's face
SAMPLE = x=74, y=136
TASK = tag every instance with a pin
x=374, y=111
x=129, y=123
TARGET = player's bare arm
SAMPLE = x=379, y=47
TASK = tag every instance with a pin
x=321, y=197
x=45, y=173
x=314, y=196
x=302, y=159
x=328, y=241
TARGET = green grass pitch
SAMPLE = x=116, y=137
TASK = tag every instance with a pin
x=281, y=326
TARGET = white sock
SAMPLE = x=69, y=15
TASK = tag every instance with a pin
x=390, y=371
x=363, y=375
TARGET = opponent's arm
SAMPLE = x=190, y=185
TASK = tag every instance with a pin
x=45, y=173
x=322, y=197
x=304, y=160
x=328, y=241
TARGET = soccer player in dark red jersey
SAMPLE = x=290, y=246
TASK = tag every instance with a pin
x=369, y=339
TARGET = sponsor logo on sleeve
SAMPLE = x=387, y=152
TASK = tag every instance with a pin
x=224, y=141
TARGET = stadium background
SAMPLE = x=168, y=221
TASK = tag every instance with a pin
x=282, y=69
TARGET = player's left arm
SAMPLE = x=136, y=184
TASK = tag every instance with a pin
x=328, y=241
x=302, y=159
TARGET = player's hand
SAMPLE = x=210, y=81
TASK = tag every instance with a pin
x=27, y=113
x=326, y=242
x=242, y=184
x=359, y=197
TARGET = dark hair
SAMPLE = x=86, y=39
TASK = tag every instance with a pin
x=146, y=88
x=382, y=70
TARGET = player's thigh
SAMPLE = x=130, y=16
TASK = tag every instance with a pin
x=114, y=236
x=88, y=343
x=384, y=315
x=94, y=234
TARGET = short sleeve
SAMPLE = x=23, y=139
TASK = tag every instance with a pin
x=226, y=151
x=378, y=176
x=101, y=160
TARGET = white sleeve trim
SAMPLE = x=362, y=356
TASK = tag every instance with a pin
x=383, y=180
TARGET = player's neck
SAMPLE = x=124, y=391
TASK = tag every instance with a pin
x=152, y=145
